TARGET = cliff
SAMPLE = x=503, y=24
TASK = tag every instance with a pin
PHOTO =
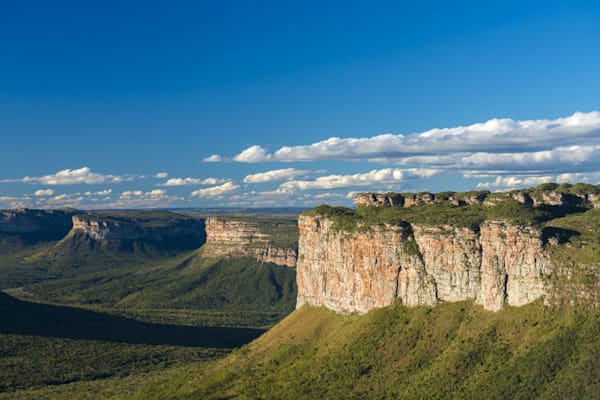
x=549, y=194
x=352, y=261
x=494, y=265
x=266, y=240
x=126, y=229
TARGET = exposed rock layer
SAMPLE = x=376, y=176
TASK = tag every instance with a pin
x=353, y=272
x=535, y=199
x=227, y=237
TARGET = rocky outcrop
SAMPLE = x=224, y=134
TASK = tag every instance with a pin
x=163, y=229
x=227, y=237
x=379, y=199
x=353, y=272
x=588, y=196
x=98, y=229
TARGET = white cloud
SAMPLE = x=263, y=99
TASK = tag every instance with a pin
x=556, y=157
x=493, y=136
x=131, y=193
x=515, y=182
x=190, y=181
x=213, y=158
x=105, y=192
x=65, y=200
x=253, y=154
x=156, y=194
x=73, y=176
x=215, y=191
x=44, y=192
x=161, y=175
x=274, y=175
x=135, y=199
x=371, y=178
x=328, y=196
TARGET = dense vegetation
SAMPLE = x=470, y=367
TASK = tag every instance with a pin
x=452, y=351
x=152, y=284
x=147, y=324
x=134, y=307
x=443, y=211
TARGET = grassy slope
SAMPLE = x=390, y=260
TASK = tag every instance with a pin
x=145, y=281
x=452, y=351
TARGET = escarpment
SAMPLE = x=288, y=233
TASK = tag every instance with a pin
x=500, y=249
x=265, y=240
x=353, y=272
x=549, y=194
x=158, y=229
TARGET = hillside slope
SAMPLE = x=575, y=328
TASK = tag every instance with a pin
x=451, y=351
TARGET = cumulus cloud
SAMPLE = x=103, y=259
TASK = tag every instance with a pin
x=215, y=191
x=190, y=181
x=104, y=192
x=152, y=194
x=371, y=178
x=547, y=159
x=273, y=175
x=515, y=182
x=44, y=192
x=72, y=176
x=253, y=154
x=65, y=200
x=493, y=136
x=213, y=158
x=161, y=175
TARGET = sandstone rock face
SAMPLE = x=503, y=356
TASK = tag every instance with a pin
x=353, y=272
x=418, y=199
x=378, y=199
x=102, y=230
x=233, y=238
x=513, y=265
x=548, y=198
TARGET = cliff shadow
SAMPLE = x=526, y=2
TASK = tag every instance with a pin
x=562, y=235
x=27, y=318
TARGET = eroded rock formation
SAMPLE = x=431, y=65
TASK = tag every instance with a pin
x=168, y=230
x=353, y=272
x=226, y=237
x=528, y=197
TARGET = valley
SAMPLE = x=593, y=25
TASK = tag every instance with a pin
x=449, y=295
x=89, y=296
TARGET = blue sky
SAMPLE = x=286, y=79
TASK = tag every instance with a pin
x=122, y=104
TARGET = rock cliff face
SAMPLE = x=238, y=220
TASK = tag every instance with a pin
x=168, y=230
x=353, y=272
x=526, y=197
x=226, y=237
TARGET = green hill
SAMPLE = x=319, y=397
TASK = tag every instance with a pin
x=453, y=351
